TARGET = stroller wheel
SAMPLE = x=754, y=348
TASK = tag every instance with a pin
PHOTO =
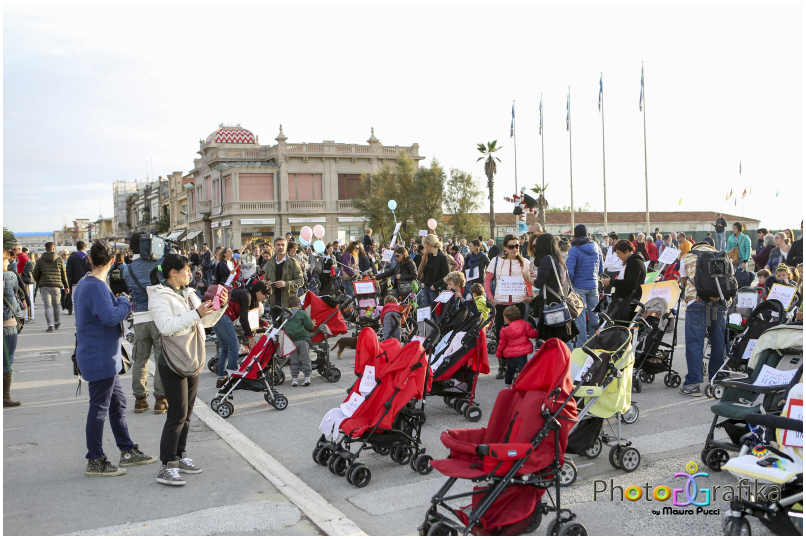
x=332, y=375
x=321, y=370
x=382, y=451
x=537, y=518
x=568, y=473
x=279, y=402
x=629, y=459
x=130, y=338
x=473, y=414
x=212, y=365
x=214, y=404
x=460, y=405
x=448, y=400
x=441, y=529
x=716, y=459
x=277, y=377
x=667, y=380
x=595, y=448
x=322, y=455
x=491, y=347
x=613, y=457
x=225, y=409
x=675, y=381
x=637, y=385
x=359, y=475
x=649, y=379
x=719, y=390
x=422, y=464
x=337, y=465
x=704, y=455
x=401, y=455
x=553, y=527
x=632, y=414
x=736, y=526
x=573, y=528
x=709, y=391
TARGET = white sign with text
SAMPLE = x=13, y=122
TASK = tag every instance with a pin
x=473, y=274
x=669, y=255
x=445, y=296
x=782, y=293
x=348, y=408
x=423, y=313
x=773, y=377
x=367, y=380
x=387, y=255
x=365, y=287
x=511, y=286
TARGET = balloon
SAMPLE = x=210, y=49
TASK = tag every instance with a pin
x=319, y=231
x=305, y=233
x=303, y=241
x=392, y=205
x=432, y=224
x=319, y=246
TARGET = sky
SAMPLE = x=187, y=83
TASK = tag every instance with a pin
x=94, y=93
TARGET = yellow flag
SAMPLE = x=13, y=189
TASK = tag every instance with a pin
x=680, y=203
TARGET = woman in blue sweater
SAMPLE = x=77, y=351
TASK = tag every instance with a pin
x=98, y=353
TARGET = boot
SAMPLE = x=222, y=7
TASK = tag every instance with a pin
x=140, y=405
x=160, y=404
x=7, y=402
x=502, y=369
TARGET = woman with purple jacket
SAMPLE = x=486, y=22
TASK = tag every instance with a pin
x=349, y=268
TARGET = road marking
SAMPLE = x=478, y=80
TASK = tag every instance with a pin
x=662, y=442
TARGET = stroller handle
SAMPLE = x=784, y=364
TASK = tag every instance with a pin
x=435, y=334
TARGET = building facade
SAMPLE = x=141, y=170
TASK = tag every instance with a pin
x=147, y=208
x=240, y=191
x=34, y=242
x=121, y=190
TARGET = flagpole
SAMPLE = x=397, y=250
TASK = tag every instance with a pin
x=542, y=159
x=515, y=144
x=646, y=175
x=571, y=159
x=604, y=177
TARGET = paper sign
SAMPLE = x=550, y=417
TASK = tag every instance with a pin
x=445, y=296
x=254, y=319
x=367, y=380
x=473, y=274
x=387, y=255
x=650, y=277
x=423, y=313
x=418, y=338
x=423, y=233
x=747, y=300
x=510, y=286
x=669, y=256
x=782, y=293
x=352, y=238
x=584, y=369
x=364, y=287
x=664, y=293
x=397, y=228
x=229, y=279
x=794, y=411
x=751, y=345
x=348, y=408
x=773, y=377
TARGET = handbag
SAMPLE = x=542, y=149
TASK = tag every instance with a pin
x=404, y=288
x=495, y=277
x=184, y=354
x=20, y=320
x=568, y=308
x=734, y=255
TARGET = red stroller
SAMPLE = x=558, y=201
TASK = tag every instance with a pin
x=517, y=458
x=378, y=415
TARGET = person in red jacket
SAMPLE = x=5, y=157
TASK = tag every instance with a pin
x=514, y=343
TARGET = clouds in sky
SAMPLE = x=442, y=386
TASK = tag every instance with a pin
x=93, y=92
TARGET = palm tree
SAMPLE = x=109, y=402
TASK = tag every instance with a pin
x=542, y=204
x=490, y=169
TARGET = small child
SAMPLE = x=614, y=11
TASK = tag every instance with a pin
x=762, y=276
x=480, y=299
x=390, y=318
x=299, y=329
x=783, y=275
x=455, y=281
x=514, y=344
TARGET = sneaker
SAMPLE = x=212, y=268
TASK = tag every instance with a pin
x=691, y=391
x=140, y=405
x=133, y=457
x=293, y=382
x=49, y=330
x=56, y=326
x=500, y=375
x=169, y=474
x=186, y=465
x=307, y=381
x=101, y=466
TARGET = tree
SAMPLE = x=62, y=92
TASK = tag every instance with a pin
x=461, y=199
x=164, y=223
x=418, y=193
x=542, y=204
x=490, y=169
x=8, y=238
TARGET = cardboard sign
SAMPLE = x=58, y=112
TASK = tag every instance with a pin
x=511, y=286
x=364, y=287
x=348, y=408
x=445, y=296
x=423, y=313
x=473, y=274
x=423, y=233
x=794, y=411
x=368, y=382
x=387, y=255
x=747, y=300
x=751, y=345
x=397, y=228
x=669, y=255
x=773, y=377
x=784, y=294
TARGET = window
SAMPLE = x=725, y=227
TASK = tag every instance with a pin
x=228, y=188
x=304, y=186
x=215, y=192
x=191, y=199
x=256, y=186
x=348, y=186
x=207, y=191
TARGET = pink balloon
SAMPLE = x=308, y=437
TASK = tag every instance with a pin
x=305, y=233
x=432, y=224
x=319, y=231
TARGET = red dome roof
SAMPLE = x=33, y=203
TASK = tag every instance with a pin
x=230, y=135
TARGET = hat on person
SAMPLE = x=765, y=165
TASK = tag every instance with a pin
x=580, y=231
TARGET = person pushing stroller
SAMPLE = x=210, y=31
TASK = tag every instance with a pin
x=299, y=329
x=514, y=344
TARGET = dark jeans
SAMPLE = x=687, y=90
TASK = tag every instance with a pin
x=106, y=397
x=181, y=395
x=427, y=297
x=9, y=346
x=514, y=364
x=697, y=323
x=228, y=344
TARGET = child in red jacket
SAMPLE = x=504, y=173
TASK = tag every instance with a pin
x=514, y=343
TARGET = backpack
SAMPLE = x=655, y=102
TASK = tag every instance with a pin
x=28, y=272
x=318, y=267
x=714, y=267
x=116, y=274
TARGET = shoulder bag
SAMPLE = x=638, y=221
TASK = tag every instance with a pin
x=20, y=320
x=185, y=353
x=495, y=277
x=568, y=308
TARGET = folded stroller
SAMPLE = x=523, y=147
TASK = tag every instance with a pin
x=653, y=356
x=777, y=356
x=777, y=462
x=378, y=413
x=607, y=395
x=515, y=460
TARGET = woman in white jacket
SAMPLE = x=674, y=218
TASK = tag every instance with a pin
x=176, y=309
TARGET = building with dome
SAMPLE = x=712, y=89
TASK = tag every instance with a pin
x=240, y=190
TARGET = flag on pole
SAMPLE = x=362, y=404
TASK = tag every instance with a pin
x=641, y=101
x=745, y=193
x=740, y=167
x=731, y=193
x=541, y=115
x=680, y=203
x=568, y=112
x=512, y=125
x=776, y=192
x=600, y=92
x=727, y=197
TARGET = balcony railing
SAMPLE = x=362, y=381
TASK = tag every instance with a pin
x=306, y=205
x=349, y=149
x=244, y=154
x=346, y=205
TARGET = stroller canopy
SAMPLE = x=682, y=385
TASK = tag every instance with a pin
x=614, y=346
x=777, y=338
x=323, y=313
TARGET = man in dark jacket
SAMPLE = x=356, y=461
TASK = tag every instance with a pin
x=795, y=255
x=78, y=264
x=719, y=229
x=50, y=276
x=206, y=261
x=534, y=228
x=194, y=257
x=585, y=264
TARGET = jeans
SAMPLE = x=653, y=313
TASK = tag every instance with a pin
x=720, y=241
x=591, y=298
x=300, y=358
x=696, y=327
x=514, y=364
x=146, y=338
x=9, y=345
x=181, y=395
x=51, y=295
x=106, y=398
x=427, y=297
x=228, y=341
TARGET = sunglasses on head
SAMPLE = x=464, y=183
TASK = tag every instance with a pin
x=515, y=246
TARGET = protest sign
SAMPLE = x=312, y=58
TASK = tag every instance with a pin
x=669, y=255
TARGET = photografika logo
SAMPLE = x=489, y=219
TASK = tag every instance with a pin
x=691, y=490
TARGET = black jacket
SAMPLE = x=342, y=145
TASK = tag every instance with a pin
x=206, y=259
x=493, y=252
x=795, y=255
x=546, y=277
x=628, y=288
x=405, y=271
x=195, y=260
x=77, y=267
x=221, y=272
x=435, y=270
